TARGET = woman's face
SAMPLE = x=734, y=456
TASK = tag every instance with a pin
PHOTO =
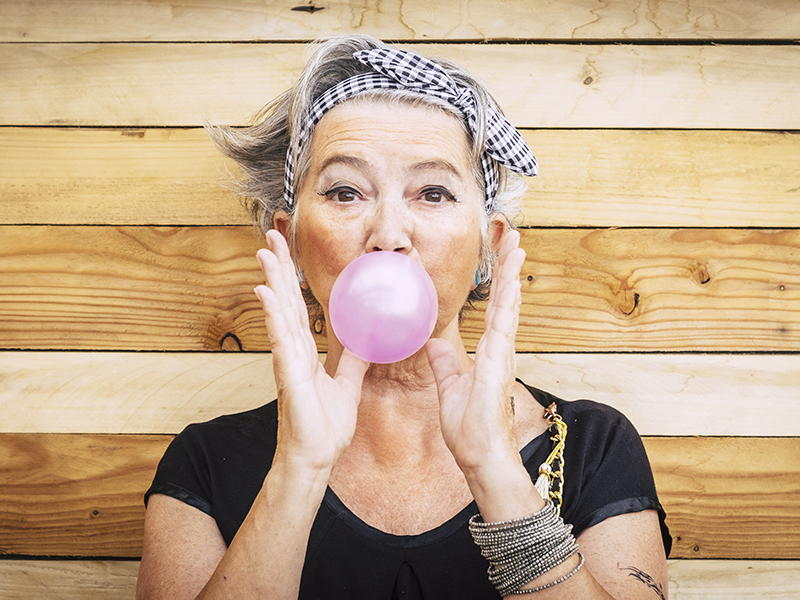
x=396, y=179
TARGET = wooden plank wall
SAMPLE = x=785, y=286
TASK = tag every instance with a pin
x=663, y=239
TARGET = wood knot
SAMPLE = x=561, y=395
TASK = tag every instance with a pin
x=230, y=343
x=309, y=9
x=701, y=276
x=627, y=301
x=588, y=81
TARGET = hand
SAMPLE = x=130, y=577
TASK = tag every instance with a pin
x=476, y=416
x=317, y=413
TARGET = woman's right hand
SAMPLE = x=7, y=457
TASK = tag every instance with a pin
x=317, y=413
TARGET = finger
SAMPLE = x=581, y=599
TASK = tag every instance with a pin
x=288, y=272
x=508, y=244
x=443, y=359
x=280, y=330
x=279, y=276
x=502, y=310
x=502, y=318
x=351, y=371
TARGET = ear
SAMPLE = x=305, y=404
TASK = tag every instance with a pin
x=282, y=222
x=498, y=227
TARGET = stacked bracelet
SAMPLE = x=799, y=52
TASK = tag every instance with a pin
x=523, y=549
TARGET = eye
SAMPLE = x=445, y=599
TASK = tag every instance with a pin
x=341, y=194
x=437, y=195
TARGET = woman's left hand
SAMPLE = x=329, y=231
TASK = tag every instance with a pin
x=475, y=407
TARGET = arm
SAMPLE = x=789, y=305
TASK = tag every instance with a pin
x=184, y=555
x=478, y=427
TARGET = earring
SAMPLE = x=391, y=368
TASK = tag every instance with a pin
x=301, y=277
x=477, y=278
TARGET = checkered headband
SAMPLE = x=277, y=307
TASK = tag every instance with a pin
x=400, y=69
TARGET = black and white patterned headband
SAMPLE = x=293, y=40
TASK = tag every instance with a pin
x=401, y=69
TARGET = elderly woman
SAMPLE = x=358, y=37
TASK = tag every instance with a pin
x=438, y=476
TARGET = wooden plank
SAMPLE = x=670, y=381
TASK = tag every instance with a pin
x=75, y=495
x=193, y=20
x=132, y=288
x=633, y=290
x=595, y=178
x=734, y=580
x=142, y=288
x=734, y=486
x=140, y=85
x=664, y=178
x=104, y=392
x=119, y=177
x=81, y=495
x=116, y=580
x=68, y=579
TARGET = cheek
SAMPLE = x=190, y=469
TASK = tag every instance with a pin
x=455, y=266
x=322, y=254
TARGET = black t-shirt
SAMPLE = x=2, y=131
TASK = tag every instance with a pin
x=220, y=466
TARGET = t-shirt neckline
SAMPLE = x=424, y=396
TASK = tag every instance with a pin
x=446, y=529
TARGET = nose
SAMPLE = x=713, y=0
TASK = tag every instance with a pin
x=389, y=227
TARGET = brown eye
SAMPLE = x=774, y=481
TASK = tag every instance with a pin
x=345, y=196
x=433, y=196
x=437, y=195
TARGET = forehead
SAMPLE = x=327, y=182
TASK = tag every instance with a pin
x=396, y=129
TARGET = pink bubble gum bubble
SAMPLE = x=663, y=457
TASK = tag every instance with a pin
x=383, y=307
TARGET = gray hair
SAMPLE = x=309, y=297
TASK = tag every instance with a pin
x=260, y=148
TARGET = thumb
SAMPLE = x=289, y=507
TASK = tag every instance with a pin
x=443, y=359
x=351, y=370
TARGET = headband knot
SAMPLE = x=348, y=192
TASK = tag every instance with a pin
x=401, y=69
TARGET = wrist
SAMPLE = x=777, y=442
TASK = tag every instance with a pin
x=503, y=491
x=294, y=470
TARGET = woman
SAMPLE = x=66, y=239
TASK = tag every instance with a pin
x=413, y=479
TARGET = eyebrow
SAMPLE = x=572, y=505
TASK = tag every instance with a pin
x=435, y=165
x=362, y=165
x=344, y=159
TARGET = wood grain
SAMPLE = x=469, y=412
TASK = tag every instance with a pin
x=68, y=579
x=134, y=288
x=596, y=86
x=631, y=178
x=115, y=177
x=116, y=580
x=735, y=486
x=81, y=495
x=193, y=20
x=75, y=495
x=631, y=290
x=734, y=580
x=143, y=288
x=662, y=394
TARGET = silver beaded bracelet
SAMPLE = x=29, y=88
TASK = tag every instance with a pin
x=522, y=550
x=552, y=583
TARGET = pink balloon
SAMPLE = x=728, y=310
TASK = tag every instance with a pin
x=383, y=307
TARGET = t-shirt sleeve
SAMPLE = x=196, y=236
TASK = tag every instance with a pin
x=606, y=469
x=219, y=466
x=182, y=472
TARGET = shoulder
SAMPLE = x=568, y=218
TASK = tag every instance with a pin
x=259, y=424
x=212, y=450
x=218, y=466
x=588, y=417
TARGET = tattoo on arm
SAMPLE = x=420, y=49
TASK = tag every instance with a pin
x=647, y=580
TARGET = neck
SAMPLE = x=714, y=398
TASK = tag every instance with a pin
x=411, y=376
x=399, y=399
